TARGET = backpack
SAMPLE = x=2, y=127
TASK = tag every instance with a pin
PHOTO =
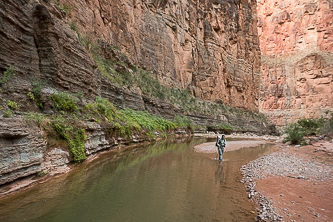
x=218, y=139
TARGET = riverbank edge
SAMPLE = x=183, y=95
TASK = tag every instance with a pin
x=31, y=180
x=25, y=183
x=267, y=209
x=264, y=206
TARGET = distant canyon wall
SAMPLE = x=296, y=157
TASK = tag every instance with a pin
x=296, y=42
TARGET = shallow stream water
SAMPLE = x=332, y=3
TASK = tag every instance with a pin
x=166, y=181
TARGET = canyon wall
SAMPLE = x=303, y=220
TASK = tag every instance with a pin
x=296, y=41
x=209, y=46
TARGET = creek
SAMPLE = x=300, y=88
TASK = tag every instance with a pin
x=165, y=181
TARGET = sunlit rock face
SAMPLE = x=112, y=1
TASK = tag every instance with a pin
x=296, y=42
x=209, y=47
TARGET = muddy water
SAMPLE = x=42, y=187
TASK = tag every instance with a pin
x=166, y=181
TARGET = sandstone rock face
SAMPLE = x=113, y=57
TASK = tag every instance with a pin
x=209, y=46
x=296, y=41
x=96, y=139
x=21, y=149
x=40, y=47
x=55, y=162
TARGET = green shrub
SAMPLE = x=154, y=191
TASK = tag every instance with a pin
x=87, y=42
x=65, y=7
x=35, y=117
x=62, y=101
x=42, y=173
x=103, y=107
x=106, y=108
x=79, y=141
x=151, y=136
x=142, y=120
x=163, y=124
x=149, y=85
x=226, y=128
x=12, y=105
x=146, y=120
x=73, y=26
x=7, y=75
x=310, y=126
x=37, y=86
x=7, y=114
x=76, y=144
x=183, y=122
x=40, y=106
x=294, y=133
x=31, y=96
x=327, y=126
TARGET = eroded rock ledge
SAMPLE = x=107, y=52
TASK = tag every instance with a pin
x=25, y=151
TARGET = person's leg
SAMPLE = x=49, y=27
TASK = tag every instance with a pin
x=220, y=153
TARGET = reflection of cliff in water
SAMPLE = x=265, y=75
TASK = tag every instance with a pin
x=166, y=181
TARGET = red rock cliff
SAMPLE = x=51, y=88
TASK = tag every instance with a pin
x=208, y=46
x=296, y=41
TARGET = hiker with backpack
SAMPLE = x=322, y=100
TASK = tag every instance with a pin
x=221, y=143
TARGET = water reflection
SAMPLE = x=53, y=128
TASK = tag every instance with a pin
x=219, y=174
x=165, y=181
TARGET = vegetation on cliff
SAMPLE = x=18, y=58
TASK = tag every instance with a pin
x=7, y=75
x=132, y=77
x=114, y=65
x=66, y=127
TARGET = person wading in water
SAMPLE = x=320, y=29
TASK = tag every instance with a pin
x=221, y=143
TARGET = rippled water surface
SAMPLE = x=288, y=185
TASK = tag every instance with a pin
x=166, y=181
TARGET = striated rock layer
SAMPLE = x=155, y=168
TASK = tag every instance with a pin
x=21, y=147
x=210, y=47
x=296, y=41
